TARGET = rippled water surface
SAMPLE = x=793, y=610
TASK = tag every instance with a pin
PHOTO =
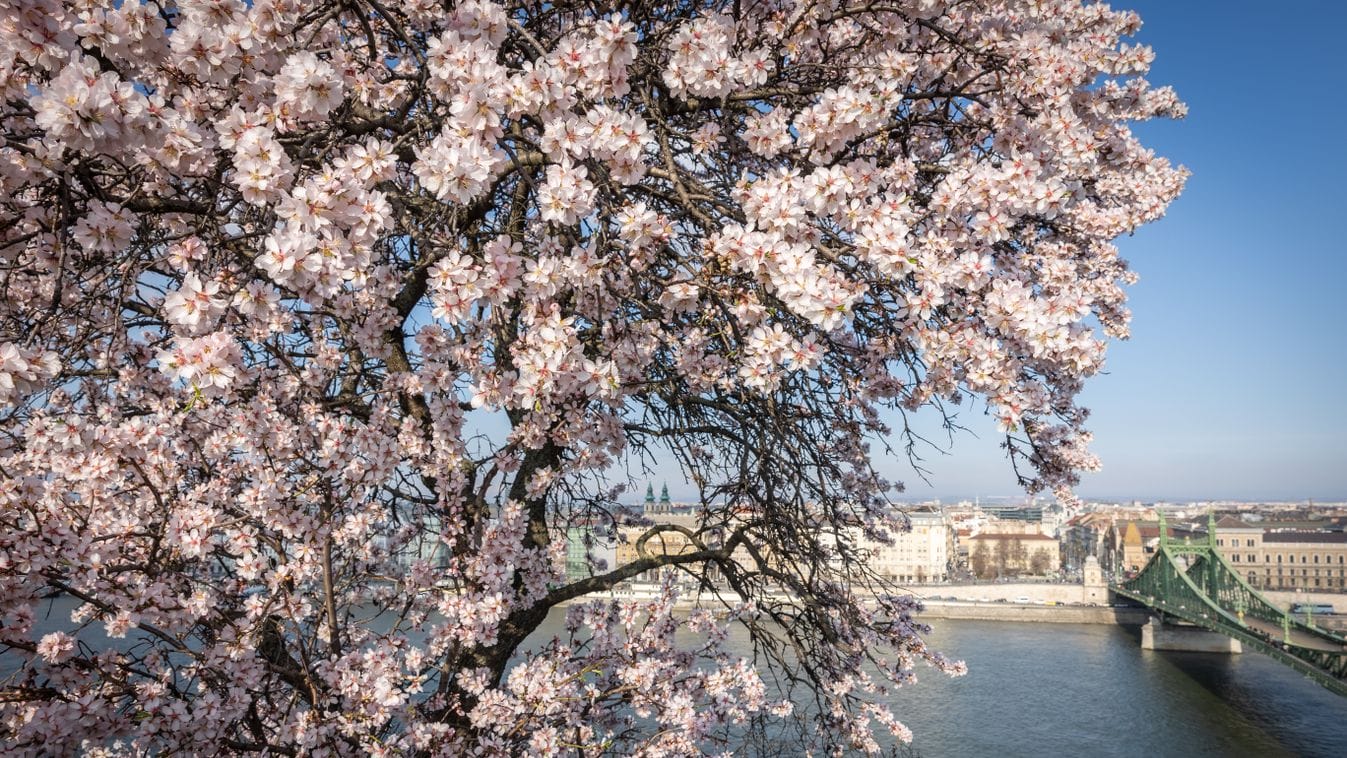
x=1089, y=690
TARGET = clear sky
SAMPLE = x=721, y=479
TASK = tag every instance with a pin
x=1232, y=386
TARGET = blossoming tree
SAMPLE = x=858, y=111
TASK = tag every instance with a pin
x=271, y=272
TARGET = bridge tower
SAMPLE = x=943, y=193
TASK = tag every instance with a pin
x=1174, y=634
x=1096, y=589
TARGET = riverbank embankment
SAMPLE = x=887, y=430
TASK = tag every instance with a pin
x=1029, y=602
x=1049, y=614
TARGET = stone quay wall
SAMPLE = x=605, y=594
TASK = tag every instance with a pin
x=1036, y=592
x=1045, y=614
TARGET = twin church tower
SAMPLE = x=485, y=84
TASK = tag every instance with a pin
x=663, y=505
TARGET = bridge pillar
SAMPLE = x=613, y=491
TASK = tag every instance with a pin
x=1158, y=635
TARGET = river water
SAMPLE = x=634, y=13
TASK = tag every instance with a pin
x=1090, y=690
x=1078, y=690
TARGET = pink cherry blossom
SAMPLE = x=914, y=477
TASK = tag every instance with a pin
x=56, y=647
x=193, y=302
x=331, y=334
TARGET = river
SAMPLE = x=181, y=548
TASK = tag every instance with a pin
x=1082, y=690
x=1090, y=690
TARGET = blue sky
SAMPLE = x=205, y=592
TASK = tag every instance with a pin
x=1232, y=384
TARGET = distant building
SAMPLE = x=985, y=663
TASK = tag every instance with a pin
x=1284, y=559
x=961, y=549
x=1135, y=548
x=1267, y=554
x=1084, y=536
x=924, y=553
x=1031, y=553
x=1128, y=545
x=669, y=542
x=1054, y=518
x=1014, y=512
x=663, y=505
x=1303, y=560
x=589, y=552
x=1013, y=526
x=426, y=545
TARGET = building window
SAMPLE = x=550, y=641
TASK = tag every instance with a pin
x=1316, y=559
x=1220, y=542
x=1248, y=543
x=1303, y=559
x=1235, y=558
x=1279, y=557
x=1250, y=558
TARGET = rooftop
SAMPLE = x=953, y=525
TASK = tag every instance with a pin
x=1303, y=537
x=1230, y=522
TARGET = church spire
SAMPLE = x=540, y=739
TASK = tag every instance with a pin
x=664, y=495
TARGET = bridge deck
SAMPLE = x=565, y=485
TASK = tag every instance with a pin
x=1299, y=638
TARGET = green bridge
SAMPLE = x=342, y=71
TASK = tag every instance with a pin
x=1192, y=582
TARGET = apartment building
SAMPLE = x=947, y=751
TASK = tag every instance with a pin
x=1284, y=559
x=925, y=553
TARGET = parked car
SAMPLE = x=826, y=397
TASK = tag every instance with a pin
x=1023, y=599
